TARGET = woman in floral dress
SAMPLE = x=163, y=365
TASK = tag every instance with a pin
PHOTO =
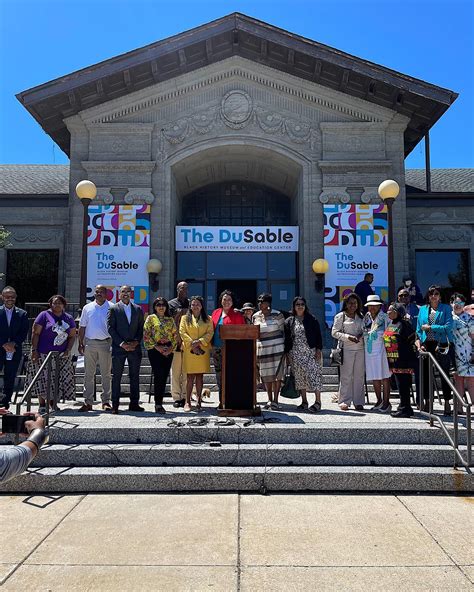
x=303, y=342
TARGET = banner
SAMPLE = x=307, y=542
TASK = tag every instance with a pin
x=355, y=243
x=237, y=238
x=118, y=249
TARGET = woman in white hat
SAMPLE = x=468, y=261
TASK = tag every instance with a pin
x=376, y=364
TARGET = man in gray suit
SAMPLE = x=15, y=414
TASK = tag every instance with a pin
x=125, y=325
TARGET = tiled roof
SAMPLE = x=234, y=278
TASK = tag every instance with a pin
x=39, y=179
x=442, y=180
x=48, y=179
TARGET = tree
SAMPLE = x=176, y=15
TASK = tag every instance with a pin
x=4, y=234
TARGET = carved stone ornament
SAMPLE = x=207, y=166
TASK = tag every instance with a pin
x=442, y=235
x=236, y=112
x=334, y=195
x=139, y=195
x=236, y=109
x=104, y=195
x=33, y=236
x=370, y=195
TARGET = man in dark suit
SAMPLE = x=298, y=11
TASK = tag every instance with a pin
x=125, y=325
x=13, y=331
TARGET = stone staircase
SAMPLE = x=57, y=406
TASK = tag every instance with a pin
x=279, y=451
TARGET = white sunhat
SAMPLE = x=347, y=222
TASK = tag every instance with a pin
x=373, y=299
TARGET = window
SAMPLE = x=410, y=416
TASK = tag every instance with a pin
x=236, y=204
x=236, y=265
x=446, y=268
x=191, y=265
x=34, y=274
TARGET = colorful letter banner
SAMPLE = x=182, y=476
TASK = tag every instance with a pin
x=118, y=249
x=355, y=243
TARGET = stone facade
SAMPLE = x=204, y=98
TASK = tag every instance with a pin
x=236, y=120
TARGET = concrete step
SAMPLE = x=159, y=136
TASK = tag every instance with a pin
x=68, y=431
x=263, y=479
x=246, y=455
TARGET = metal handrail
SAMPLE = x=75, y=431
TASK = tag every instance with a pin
x=458, y=400
x=46, y=366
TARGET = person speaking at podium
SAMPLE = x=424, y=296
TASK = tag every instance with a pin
x=225, y=315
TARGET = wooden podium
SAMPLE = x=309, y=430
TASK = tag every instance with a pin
x=239, y=370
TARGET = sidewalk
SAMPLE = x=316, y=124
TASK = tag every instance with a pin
x=231, y=542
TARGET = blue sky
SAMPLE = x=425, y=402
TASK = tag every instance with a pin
x=428, y=39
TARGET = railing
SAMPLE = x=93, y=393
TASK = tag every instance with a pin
x=458, y=401
x=46, y=366
x=34, y=308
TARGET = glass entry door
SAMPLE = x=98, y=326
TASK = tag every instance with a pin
x=282, y=295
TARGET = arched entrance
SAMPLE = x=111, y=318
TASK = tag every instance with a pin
x=249, y=183
x=244, y=204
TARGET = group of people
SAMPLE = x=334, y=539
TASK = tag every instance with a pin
x=379, y=345
x=180, y=337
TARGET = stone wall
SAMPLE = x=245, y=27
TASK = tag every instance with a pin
x=236, y=120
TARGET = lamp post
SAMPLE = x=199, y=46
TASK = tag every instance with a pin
x=86, y=191
x=388, y=192
x=154, y=267
x=320, y=268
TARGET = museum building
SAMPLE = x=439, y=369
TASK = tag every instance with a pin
x=247, y=130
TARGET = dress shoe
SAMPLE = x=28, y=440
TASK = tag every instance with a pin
x=115, y=410
x=136, y=407
x=85, y=407
x=106, y=406
x=403, y=413
x=160, y=409
x=179, y=403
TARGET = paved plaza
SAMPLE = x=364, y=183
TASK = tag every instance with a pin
x=232, y=542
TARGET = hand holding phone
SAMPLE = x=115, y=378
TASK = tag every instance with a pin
x=16, y=424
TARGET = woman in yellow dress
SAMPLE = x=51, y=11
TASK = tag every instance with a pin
x=196, y=331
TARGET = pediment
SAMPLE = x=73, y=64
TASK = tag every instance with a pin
x=270, y=94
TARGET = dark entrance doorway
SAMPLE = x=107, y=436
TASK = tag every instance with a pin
x=244, y=290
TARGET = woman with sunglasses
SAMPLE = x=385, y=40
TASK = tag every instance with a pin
x=303, y=343
x=196, y=331
x=463, y=333
x=270, y=348
x=434, y=334
x=160, y=339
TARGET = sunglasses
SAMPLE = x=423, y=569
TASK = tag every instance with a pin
x=459, y=303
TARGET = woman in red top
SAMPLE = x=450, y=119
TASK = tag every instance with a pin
x=226, y=315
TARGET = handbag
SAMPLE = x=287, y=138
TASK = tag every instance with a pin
x=288, y=389
x=336, y=357
x=443, y=348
